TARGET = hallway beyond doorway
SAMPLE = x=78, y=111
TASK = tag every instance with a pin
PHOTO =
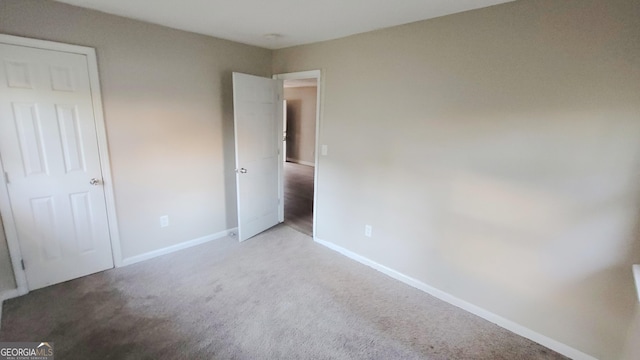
x=298, y=197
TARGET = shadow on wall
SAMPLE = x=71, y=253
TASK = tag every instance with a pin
x=538, y=223
x=632, y=348
x=229, y=152
x=568, y=223
x=7, y=279
x=499, y=161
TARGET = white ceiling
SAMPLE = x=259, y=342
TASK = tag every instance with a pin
x=298, y=21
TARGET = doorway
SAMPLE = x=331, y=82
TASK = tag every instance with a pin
x=300, y=133
x=261, y=164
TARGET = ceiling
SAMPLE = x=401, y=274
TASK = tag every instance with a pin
x=276, y=24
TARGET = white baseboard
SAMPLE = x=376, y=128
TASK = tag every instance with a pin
x=464, y=305
x=174, y=248
x=301, y=162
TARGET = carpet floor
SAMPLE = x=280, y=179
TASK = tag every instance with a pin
x=298, y=197
x=278, y=295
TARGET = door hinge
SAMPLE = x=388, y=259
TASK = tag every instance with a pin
x=22, y=263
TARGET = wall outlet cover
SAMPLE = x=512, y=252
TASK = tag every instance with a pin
x=164, y=221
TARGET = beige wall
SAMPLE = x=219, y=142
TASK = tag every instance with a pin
x=7, y=281
x=168, y=112
x=496, y=155
x=632, y=347
x=301, y=124
x=495, y=152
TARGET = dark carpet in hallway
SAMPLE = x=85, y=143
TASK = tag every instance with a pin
x=298, y=197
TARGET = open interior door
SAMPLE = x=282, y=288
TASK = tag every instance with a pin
x=257, y=106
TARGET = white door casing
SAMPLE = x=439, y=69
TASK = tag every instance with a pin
x=257, y=104
x=52, y=146
x=284, y=130
x=283, y=159
x=310, y=74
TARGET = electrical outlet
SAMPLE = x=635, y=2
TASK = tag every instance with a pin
x=164, y=220
x=324, y=150
x=367, y=230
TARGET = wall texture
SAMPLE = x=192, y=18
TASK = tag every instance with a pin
x=301, y=124
x=632, y=348
x=7, y=280
x=496, y=153
x=168, y=112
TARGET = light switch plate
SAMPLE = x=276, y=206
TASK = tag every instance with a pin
x=367, y=230
x=636, y=276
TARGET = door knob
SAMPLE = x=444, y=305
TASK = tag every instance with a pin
x=94, y=182
x=241, y=171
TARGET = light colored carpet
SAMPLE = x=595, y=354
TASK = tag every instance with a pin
x=276, y=296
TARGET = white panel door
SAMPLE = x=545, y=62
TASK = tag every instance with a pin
x=257, y=106
x=49, y=151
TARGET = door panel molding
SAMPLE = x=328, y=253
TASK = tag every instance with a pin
x=103, y=151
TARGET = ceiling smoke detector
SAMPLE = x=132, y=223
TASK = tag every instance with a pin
x=273, y=36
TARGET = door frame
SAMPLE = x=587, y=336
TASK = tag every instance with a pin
x=310, y=74
x=103, y=150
